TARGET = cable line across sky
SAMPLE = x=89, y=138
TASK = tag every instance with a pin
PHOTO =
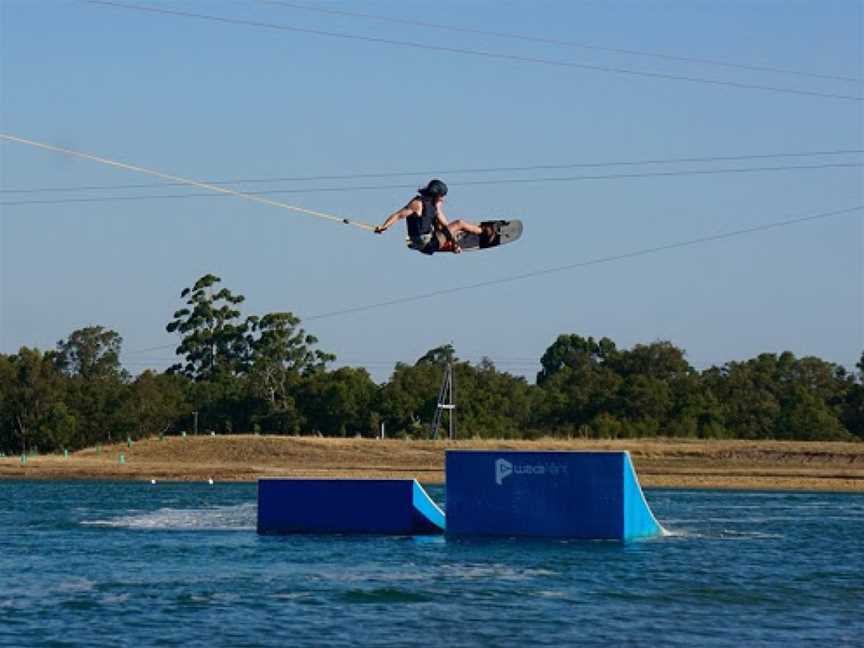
x=588, y=263
x=470, y=52
x=439, y=172
x=553, y=41
x=252, y=195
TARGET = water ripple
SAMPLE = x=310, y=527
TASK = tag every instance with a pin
x=106, y=564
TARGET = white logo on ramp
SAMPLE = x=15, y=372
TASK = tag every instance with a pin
x=503, y=468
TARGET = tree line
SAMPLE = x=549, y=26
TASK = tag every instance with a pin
x=264, y=374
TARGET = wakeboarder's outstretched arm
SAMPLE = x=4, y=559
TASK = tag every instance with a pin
x=412, y=207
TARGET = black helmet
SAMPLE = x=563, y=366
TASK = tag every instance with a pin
x=434, y=189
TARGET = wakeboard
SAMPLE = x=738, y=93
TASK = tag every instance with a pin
x=495, y=233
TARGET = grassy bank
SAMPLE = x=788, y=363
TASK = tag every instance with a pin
x=660, y=462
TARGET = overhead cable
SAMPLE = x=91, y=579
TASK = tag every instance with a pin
x=252, y=195
x=585, y=264
x=391, y=174
x=472, y=52
x=553, y=41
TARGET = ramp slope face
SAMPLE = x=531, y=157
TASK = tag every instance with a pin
x=586, y=495
x=374, y=506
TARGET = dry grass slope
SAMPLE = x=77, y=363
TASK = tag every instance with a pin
x=660, y=462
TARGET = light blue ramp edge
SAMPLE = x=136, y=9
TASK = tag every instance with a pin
x=639, y=520
x=427, y=507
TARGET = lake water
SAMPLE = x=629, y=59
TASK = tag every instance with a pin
x=124, y=563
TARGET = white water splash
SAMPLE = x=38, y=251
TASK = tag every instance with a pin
x=217, y=518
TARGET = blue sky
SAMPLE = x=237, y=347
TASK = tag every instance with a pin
x=210, y=100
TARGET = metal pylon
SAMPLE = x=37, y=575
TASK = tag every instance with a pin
x=446, y=402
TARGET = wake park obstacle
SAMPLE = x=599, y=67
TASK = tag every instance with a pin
x=579, y=495
x=585, y=495
x=376, y=506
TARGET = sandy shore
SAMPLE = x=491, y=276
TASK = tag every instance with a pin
x=660, y=463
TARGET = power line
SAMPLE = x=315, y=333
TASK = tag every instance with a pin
x=585, y=264
x=463, y=183
x=536, y=167
x=472, y=52
x=552, y=41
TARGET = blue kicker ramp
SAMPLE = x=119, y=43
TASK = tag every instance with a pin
x=375, y=506
x=587, y=495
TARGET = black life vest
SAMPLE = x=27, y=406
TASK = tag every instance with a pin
x=423, y=223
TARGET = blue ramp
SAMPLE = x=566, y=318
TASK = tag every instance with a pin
x=378, y=506
x=587, y=495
